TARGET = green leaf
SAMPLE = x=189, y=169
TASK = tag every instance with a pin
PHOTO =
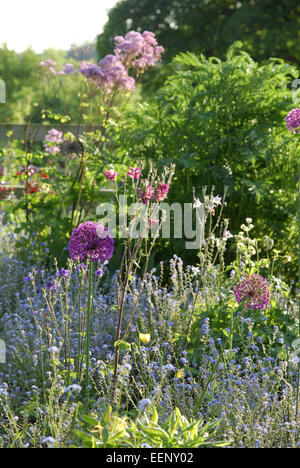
x=122, y=344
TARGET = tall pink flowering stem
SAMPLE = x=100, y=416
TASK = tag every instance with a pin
x=293, y=124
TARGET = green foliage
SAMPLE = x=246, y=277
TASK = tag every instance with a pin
x=18, y=71
x=146, y=430
x=25, y=87
x=222, y=123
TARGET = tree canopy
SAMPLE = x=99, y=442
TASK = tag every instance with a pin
x=267, y=28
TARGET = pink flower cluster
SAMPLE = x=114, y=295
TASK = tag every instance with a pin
x=293, y=120
x=162, y=192
x=135, y=172
x=52, y=140
x=49, y=66
x=109, y=74
x=149, y=193
x=68, y=69
x=110, y=175
x=254, y=291
x=138, y=50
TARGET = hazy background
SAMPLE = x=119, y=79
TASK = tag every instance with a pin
x=56, y=24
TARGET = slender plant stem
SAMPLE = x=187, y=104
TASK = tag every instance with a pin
x=118, y=336
x=88, y=324
x=298, y=379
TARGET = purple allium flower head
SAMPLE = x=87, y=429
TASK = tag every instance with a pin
x=293, y=120
x=254, y=291
x=91, y=241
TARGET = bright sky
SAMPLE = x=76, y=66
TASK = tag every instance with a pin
x=54, y=23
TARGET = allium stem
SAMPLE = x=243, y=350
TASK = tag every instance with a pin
x=88, y=324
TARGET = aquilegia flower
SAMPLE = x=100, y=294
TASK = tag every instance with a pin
x=87, y=243
x=293, y=120
x=110, y=175
x=147, y=194
x=162, y=192
x=135, y=172
x=254, y=291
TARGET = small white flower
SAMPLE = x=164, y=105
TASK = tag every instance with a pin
x=197, y=203
x=227, y=234
x=217, y=200
x=195, y=270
